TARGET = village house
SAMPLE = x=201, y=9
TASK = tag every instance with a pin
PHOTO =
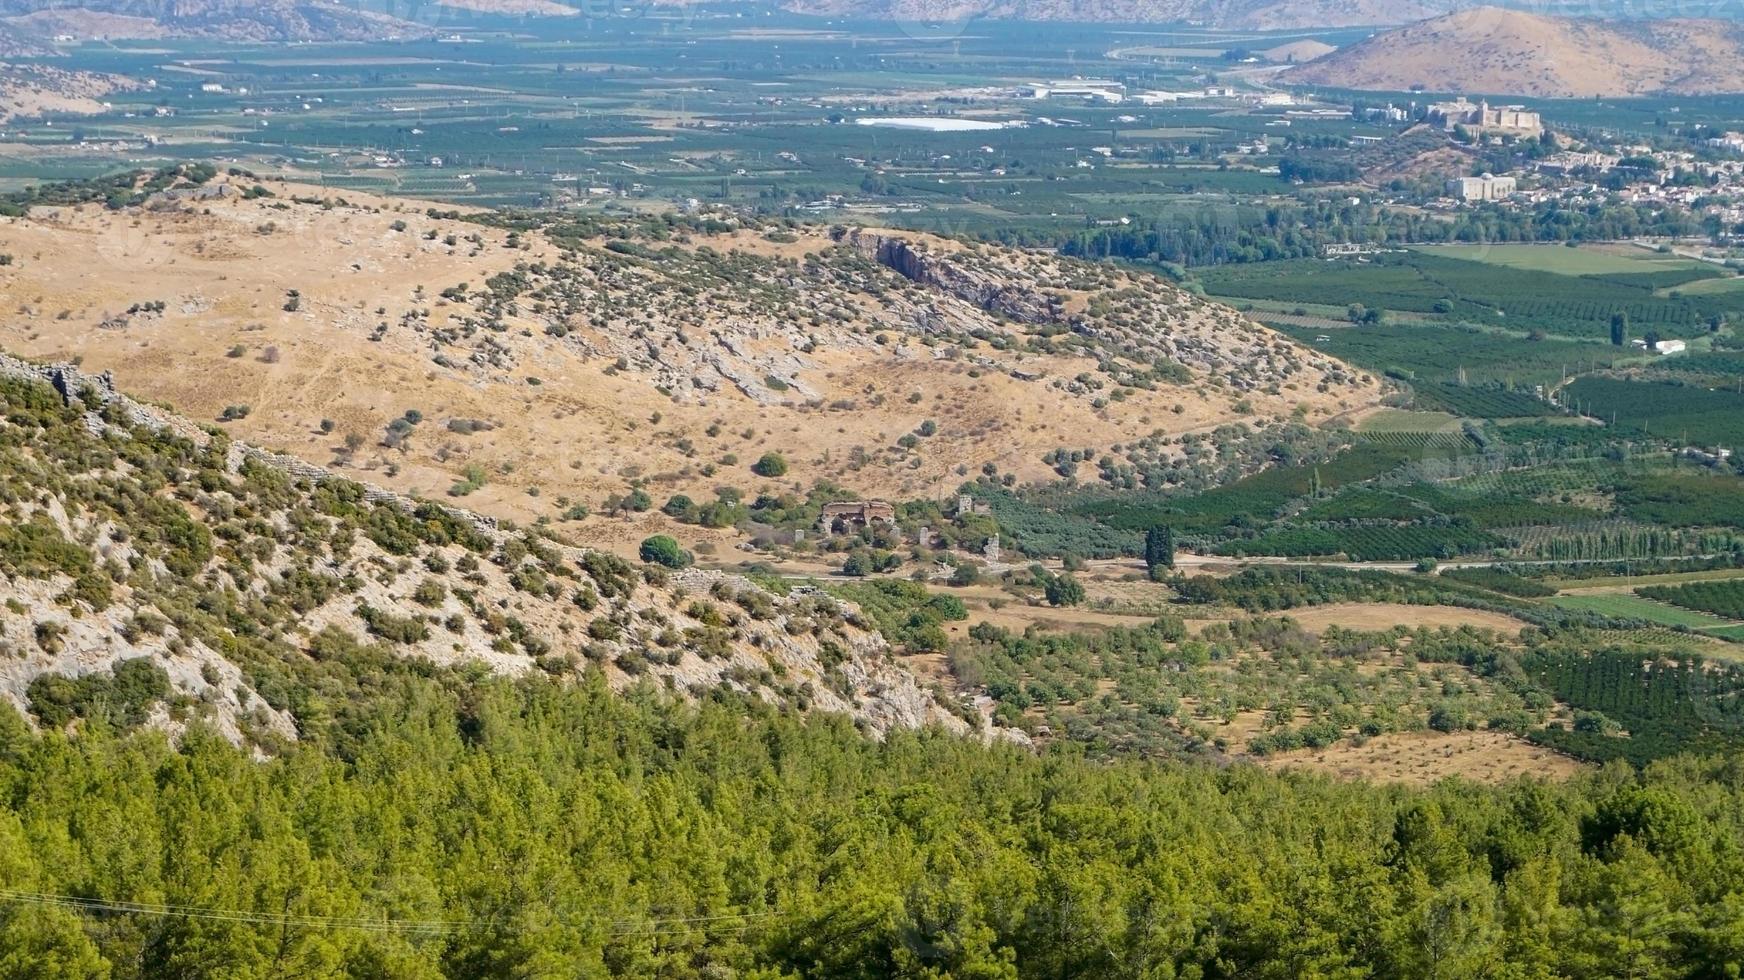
x=1487, y=187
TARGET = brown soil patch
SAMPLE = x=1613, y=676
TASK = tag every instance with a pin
x=1382, y=616
x=1421, y=758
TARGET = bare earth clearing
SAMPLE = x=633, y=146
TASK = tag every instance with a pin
x=1421, y=758
x=1381, y=616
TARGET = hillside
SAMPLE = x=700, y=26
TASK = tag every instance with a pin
x=230, y=20
x=563, y=362
x=27, y=91
x=1501, y=52
x=144, y=557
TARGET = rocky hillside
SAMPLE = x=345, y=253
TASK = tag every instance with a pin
x=34, y=90
x=233, y=20
x=559, y=361
x=152, y=570
x=1493, y=51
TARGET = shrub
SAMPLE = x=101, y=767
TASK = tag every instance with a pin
x=1064, y=590
x=663, y=550
x=771, y=465
x=394, y=629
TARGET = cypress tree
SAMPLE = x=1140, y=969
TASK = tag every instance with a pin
x=1159, y=550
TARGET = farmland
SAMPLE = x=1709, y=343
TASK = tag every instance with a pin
x=1637, y=607
x=1427, y=285
x=1366, y=542
x=1622, y=260
x=1686, y=414
x=655, y=109
x=1442, y=353
x=1723, y=598
x=715, y=492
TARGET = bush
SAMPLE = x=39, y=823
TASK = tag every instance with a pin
x=663, y=550
x=771, y=465
x=1064, y=590
x=680, y=508
x=122, y=698
x=394, y=629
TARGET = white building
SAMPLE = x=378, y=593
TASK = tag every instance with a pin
x=1089, y=89
x=1486, y=187
x=1670, y=347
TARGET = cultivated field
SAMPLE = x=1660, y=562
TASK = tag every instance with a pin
x=1591, y=260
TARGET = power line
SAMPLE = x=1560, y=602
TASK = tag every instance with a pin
x=620, y=928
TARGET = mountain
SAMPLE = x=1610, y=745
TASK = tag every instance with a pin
x=579, y=385
x=231, y=20
x=1492, y=51
x=28, y=91
x=1238, y=14
x=602, y=354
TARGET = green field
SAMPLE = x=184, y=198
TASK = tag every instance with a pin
x=1712, y=286
x=1435, y=352
x=1564, y=261
x=1424, y=284
x=1635, y=607
x=1390, y=420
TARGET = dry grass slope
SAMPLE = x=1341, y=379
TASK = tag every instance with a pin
x=1488, y=50
x=595, y=363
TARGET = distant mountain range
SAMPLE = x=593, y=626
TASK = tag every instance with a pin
x=1492, y=51
x=1231, y=14
x=1511, y=39
x=23, y=22
x=1240, y=14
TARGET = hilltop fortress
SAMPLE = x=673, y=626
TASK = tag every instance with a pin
x=1484, y=118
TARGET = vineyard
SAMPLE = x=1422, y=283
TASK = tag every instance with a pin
x=1721, y=368
x=1432, y=352
x=1482, y=401
x=1488, y=505
x=1685, y=414
x=1364, y=504
x=1634, y=607
x=1723, y=598
x=1663, y=279
x=1682, y=498
x=1458, y=290
x=1366, y=542
x=1440, y=442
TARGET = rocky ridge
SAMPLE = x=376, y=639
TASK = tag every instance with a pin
x=276, y=564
